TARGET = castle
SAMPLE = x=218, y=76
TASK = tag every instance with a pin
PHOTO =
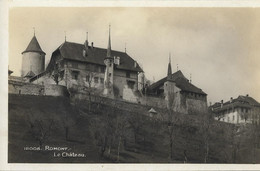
x=84, y=68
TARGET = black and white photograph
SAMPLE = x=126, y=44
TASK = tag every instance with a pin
x=129, y=85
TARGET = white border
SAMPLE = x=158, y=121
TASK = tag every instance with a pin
x=5, y=5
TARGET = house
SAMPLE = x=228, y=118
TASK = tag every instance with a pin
x=179, y=93
x=243, y=109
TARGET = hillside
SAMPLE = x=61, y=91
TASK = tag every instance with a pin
x=102, y=132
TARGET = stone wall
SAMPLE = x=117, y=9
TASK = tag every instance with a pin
x=16, y=87
x=152, y=101
x=129, y=95
x=196, y=106
x=55, y=90
x=24, y=88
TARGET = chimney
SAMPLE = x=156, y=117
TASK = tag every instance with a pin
x=221, y=103
x=247, y=95
x=231, y=99
x=117, y=60
x=92, y=45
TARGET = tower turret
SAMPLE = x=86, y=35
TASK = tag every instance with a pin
x=109, y=73
x=33, y=58
x=169, y=66
x=85, y=50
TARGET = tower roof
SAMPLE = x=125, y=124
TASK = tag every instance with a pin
x=30, y=74
x=109, y=45
x=169, y=66
x=33, y=46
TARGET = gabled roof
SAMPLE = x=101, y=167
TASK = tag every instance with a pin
x=247, y=99
x=74, y=51
x=181, y=82
x=33, y=46
x=240, y=101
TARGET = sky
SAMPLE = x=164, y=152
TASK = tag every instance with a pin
x=219, y=47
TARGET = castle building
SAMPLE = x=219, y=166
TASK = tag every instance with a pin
x=33, y=59
x=243, y=109
x=82, y=66
x=179, y=94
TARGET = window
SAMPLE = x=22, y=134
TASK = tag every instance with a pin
x=75, y=75
x=87, y=78
x=127, y=74
x=228, y=119
x=74, y=65
x=102, y=80
x=95, y=79
x=96, y=68
x=233, y=118
x=102, y=69
x=246, y=110
x=130, y=84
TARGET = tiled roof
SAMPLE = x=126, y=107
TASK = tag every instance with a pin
x=240, y=101
x=33, y=46
x=181, y=82
x=74, y=51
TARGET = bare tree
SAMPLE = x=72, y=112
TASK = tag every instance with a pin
x=205, y=129
x=121, y=125
x=57, y=75
x=40, y=128
x=136, y=122
x=90, y=87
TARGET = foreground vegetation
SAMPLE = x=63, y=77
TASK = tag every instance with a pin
x=121, y=132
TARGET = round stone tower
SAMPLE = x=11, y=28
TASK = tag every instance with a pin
x=33, y=61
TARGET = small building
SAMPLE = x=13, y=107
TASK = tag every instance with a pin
x=243, y=109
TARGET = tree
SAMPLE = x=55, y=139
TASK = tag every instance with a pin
x=40, y=128
x=57, y=75
x=256, y=132
x=121, y=125
x=135, y=122
x=173, y=126
x=90, y=88
x=205, y=129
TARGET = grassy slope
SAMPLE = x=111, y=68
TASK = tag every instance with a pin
x=20, y=107
x=154, y=149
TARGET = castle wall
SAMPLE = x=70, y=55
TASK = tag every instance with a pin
x=55, y=90
x=15, y=87
x=152, y=101
x=24, y=88
x=129, y=95
x=196, y=106
x=33, y=61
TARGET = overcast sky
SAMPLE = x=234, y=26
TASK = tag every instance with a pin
x=218, y=46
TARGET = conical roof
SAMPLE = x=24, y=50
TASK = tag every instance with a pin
x=33, y=46
x=30, y=74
